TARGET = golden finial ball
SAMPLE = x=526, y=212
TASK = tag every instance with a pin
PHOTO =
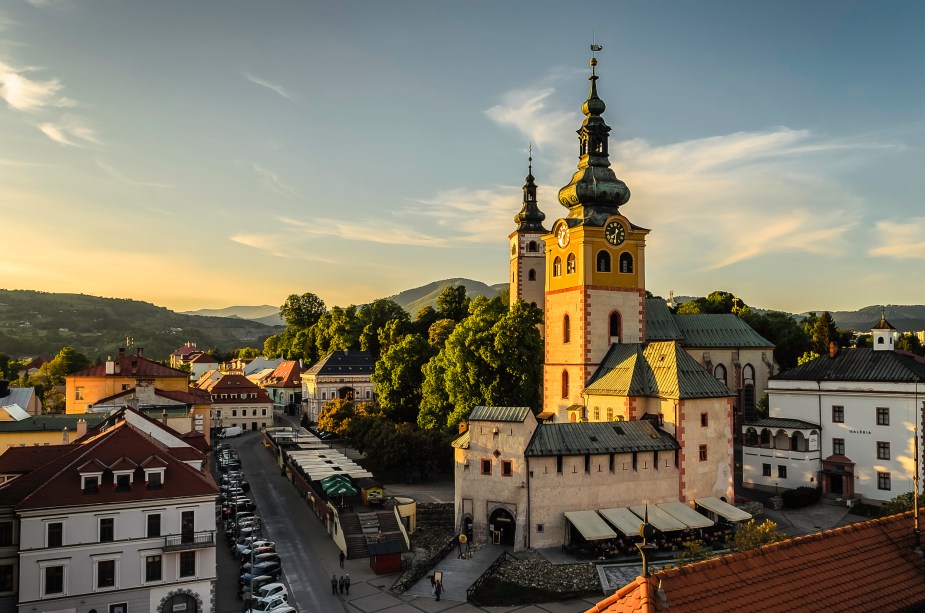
x=594, y=61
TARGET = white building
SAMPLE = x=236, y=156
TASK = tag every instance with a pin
x=340, y=374
x=119, y=521
x=237, y=401
x=844, y=422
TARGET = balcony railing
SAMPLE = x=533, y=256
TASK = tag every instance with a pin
x=196, y=540
x=767, y=452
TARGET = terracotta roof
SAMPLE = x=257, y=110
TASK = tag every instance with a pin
x=193, y=396
x=25, y=459
x=197, y=440
x=351, y=362
x=186, y=349
x=860, y=365
x=204, y=358
x=129, y=366
x=56, y=483
x=287, y=374
x=237, y=385
x=868, y=566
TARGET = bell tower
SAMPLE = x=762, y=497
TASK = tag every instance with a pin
x=595, y=269
x=528, y=251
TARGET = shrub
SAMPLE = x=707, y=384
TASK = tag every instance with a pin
x=801, y=497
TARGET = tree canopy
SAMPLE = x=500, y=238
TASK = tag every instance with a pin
x=302, y=311
x=452, y=303
x=399, y=377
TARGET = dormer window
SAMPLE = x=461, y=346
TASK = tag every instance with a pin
x=155, y=478
x=90, y=484
x=123, y=483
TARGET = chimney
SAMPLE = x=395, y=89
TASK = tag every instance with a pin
x=833, y=349
x=140, y=352
x=121, y=352
x=110, y=366
x=463, y=426
x=81, y=427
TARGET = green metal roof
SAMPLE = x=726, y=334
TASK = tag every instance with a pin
x=660, y=325
x=781, y=422
x=660, y=370
x=598, y=438
x=499, y=413
x=702, y=331
x=52, y=422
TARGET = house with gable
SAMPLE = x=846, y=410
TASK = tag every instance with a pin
x=237, y=401
x=340, y=374
x=284, y=386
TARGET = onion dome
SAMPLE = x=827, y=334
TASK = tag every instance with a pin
x=530, y=216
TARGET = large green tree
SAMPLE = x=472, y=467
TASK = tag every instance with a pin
x=909, y=342
x=66, y=362
x=374, y=317
x=338, y=330
x=302, y=311
x=790, y=341
x=399, y=376
x=452, y=303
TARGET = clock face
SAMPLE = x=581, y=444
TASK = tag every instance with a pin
x=615, y=233
x=562, y=235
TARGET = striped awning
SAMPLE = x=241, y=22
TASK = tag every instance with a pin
x=590, y=525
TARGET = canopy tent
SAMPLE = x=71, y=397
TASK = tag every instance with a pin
x=659, y=519
x=623, y=520
x=685, y=514
x=723, y=509
x=338, y=485
x=590, y=525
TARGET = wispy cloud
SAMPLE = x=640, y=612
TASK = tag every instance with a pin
x=25, y=94
x=279, y=89
x=272, y=182
x=119, y=176
x=71, y=130
x=527, y=110
x=900, y=240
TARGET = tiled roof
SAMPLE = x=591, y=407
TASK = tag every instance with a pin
x=351, y=362
x=186, y=349
x=193, y=396
x=517, y=414
x=883, y=324
x=659, y=369
x=701, y=331
x=132, y=365
x=204, y=358
x=25, y=459
x=781, y=422
x=599, y=437
x=868, y=566
x=860, y=365
x=197, y=440
x=56, y=483
x=234, y=384
x=287, y=374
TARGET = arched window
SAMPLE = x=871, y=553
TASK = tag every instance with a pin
x=751, y=437
x=597, y=413
x=880, y=341
x=765, y=438
x=720, y=373
x=626, y=262
x=615, y=324
x=609, y=413
x=566, y=329
x=603, y=262
x=748, y=389
x=565, y=384
x=531, y=275
x=570, y=264
x=531, y=246
x=557, y=266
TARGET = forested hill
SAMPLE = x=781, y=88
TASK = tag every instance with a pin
x=905, y=318
x=413, y=299
x=33, y=323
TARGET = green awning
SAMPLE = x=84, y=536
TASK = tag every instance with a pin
x=338, y=485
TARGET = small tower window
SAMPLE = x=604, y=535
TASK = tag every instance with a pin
x=570, y=266
x=531, y=246
x=626, y=262
x=603, y=262
x=720, y=373
x=531, y=275
x=565, y=384
x=615, y=325
x=557, y=267
x=566, y=329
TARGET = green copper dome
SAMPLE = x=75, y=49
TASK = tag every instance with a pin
x=530, y=216
x=595, y=192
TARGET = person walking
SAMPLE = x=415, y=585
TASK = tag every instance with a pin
x=340, y=584
x=347, y=584
x=342, y=558
x=333, y=584
x=437, y=589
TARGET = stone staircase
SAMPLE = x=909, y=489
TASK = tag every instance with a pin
x=353, y=535
x=364, y=527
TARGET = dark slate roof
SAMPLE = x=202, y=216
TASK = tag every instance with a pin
x=702, y=331
x=599, y=437
x=52, y=422
x=499, y=414
x=350, y=362
x=883, y=324
x=781, y=422
x=860, y=365
x=660, y=370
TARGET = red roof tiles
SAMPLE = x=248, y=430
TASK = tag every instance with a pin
x=868, y=566
x=287, y=374
x=235, y=388
x=132, y=365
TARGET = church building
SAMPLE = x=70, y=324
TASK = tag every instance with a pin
x=630, y=425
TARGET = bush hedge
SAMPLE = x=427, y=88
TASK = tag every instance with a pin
x=801, y=497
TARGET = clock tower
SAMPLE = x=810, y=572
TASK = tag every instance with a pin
x=595, y=270
x=528, y=251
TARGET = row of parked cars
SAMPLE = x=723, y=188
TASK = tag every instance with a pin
x=261, y=566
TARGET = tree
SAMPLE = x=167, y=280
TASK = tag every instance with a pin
x=399, y=377
x=452, y=303
x=66, y=362
x=822, y=331
x=374, y=317
x=751, y=535
x=427, y=315
x=338, y=330
x=716, y=302
x=790, y=341
x=899, y=504
x=693, y=552
x=440, y=331
x=245, y=353
x=271, y=346
x=808, y=356
x=435, y=401
x=336, y=415
x=302, y=311
x=909, y=342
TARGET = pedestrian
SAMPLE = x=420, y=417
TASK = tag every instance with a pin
x=437, y=589
x=433, y=585
x=347, y=584
x=340, y=584
x=333, y=584
x=342, y=558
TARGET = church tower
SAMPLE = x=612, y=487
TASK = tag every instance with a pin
x=595, y=270
x=528, y=268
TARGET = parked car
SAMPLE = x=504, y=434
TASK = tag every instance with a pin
x=267, y=604
x=257, y=582
x=272, y=589
x=273, y=572
x=231, y=431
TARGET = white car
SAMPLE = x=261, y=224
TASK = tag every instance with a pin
x=272, y=589
x=269, y=604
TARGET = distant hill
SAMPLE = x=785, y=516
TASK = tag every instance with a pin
x=412, y=300
x=905, y=318
x=265, y=314
x=33, y=323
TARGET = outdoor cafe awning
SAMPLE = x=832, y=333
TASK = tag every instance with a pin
x=684, y=513
x=659, y=519
x=623, y=519
x=590, y=525
x=723, y=509
x=337, y=485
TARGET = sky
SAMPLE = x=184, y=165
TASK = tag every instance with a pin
x=207, y=153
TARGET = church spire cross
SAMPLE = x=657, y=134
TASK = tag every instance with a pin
x=530, y=216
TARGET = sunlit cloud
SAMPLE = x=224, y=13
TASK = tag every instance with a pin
x=70, y=130
x=369, y=231
x=279, y=244
x=279, y=89
x=272, y=182
x=900, y=240
x=25, y=94
x=469, y=216
x=527, y=110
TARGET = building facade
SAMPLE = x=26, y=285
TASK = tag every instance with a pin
x=238, y=402
x=338, y=375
